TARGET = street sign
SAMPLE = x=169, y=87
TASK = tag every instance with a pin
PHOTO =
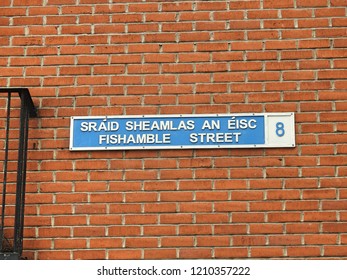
x=254, y=130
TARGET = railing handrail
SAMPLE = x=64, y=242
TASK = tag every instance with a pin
x=23, y=93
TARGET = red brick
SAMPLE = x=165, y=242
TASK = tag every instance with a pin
x=159, y=230
x=124, y=231
x=244, y=5
x=248, y=217
x=278, y=24
x=275, y=4
x=140, y=219
x=260, y=35
x=302, y=228
x=162, y=37
x=235, y=77
x=195, y=229
x=227, y=15
x=262, y=252
x=161, y=17
x=159, y=254
x=49, y=232
x=160, y=207
x=225, y=253
x=136, y=242
x=104, y=243
x=176, y=218
x=195, y=253
x=262, y=14
x=324, y=33
x=177, y=27
x=296, y=13
x=125, y=254
x=54, y=255
x=248, y=240
x=304, y=251
x=321, y=239
x=208, y=25
x=177, y=241
x=179, y=6
x=276, y=240
x=276, y=217
x=340, y=43
x=311, y=23
x=335, y=251
x=143, y=7
x=261, y=76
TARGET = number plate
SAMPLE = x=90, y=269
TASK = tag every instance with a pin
x=280, y=130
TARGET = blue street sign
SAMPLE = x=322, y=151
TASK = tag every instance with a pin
x=182, y=131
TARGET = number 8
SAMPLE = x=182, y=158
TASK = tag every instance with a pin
x=280, y=129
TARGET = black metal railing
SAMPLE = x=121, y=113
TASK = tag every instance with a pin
x=14, y=138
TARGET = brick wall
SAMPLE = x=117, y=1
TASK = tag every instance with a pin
x=104, y=57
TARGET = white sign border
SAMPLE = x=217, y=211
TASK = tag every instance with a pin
x=292, y=143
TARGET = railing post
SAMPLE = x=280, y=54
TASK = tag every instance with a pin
x=4, y=186
x=27, y=110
